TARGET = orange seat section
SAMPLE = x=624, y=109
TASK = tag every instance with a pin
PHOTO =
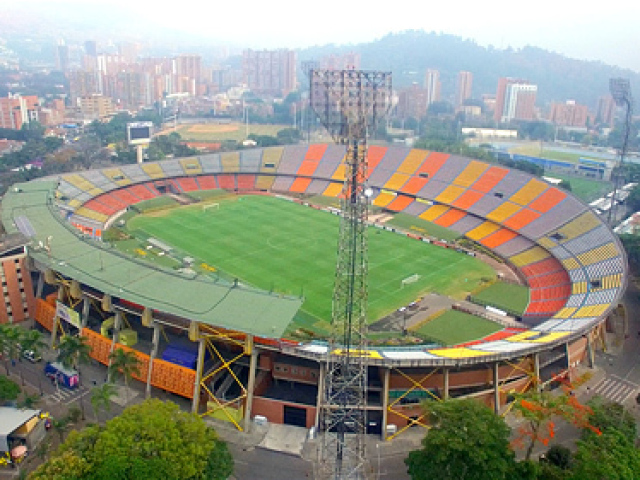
x=548, y=200
x=316, y=151
x=467, y=199
x=414, y=185
x=307, y=168
x=490, y=179
x=521, y=219
x=498, y=238
x=450, y=217
x=300, y=185
x=400, y=203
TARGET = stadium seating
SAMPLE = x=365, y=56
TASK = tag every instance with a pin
x=572, y=263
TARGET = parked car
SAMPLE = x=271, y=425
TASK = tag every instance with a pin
x=32, y=356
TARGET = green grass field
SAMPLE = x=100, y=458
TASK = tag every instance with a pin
x=586, y=189
x=505, y=295
x=214, y=132
x=277, y=245
x=457, y=327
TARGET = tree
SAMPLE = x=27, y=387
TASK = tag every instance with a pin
x=609, y=456
x=11, y=343
x=607, y=416
x=101, y=398
x=467, y=441
x=125, y=364
x=148, y=441
x=31, y=340
x=9, y=390
x=73, y=351
x=539, y=407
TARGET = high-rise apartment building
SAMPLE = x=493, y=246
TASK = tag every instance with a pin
x=270, y=72
x=432, y=86
x=16, y=110
x=62, y=58
x=188, y=69
x=82, y=84
x=347, y=61
x=515, y=100
x=463, y=87
x=606, y=110
x=412, y=102
x=569, y=114
x=91, y=48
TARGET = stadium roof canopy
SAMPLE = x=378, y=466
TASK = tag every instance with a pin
x=29, y=208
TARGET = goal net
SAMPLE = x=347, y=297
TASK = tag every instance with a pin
x=210, y=206
x=409, y=280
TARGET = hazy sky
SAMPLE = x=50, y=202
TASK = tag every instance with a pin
x=586, y=30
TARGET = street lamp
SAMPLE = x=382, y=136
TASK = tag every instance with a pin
x=620, y=89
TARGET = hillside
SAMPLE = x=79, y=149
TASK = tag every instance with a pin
x=409, y=54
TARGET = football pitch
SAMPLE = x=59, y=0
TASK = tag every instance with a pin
x=281, y=246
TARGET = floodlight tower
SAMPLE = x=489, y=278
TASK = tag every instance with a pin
x=620, y=89
x=349, y=103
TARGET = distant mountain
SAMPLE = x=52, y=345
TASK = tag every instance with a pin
x=409, y=54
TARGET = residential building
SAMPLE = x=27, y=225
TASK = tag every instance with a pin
x=95, y=107
x=62, y=58
x=270, y=72
x=347, y=61
x=515, y=100
x=569, y=114
x=432, y=85
x=463, y=87
x=82, y=84
x=16, y=110
x=412, y=102
x=605, y=113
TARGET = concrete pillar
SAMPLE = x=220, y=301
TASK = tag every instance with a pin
x=536, y=371
x=385, y=401
x=114, y=340
x=86, y=304
x=320, y=398
x=154, y=353
x=568, y=355
x=56, y=320
x=251, y=385
x=590, y=352
x=40, y=285
x=445, y=379
x=196, y=386
x=496, y=387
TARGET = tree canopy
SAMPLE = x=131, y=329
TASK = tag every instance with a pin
x=467, y=441
x=148, y=441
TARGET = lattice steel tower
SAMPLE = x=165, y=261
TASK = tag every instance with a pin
x=349, y=104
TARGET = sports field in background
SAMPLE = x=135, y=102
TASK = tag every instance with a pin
x=278, y=245
x=457, y=327
x=506, y=296
x=219, y=132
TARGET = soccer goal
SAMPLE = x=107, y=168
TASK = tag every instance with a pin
x=409, y=280
x=214, y=206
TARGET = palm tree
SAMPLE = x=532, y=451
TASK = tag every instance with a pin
x=4, y=345
x=12, y=336
x=101, y=398
x=32, y=340
x=72, y=351
x=124, y=363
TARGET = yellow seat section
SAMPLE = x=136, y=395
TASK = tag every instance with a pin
x=396, y=181
x=578, y=288
x=603, y=252
x=333, y=190
x=470, y=174
x=546, y=243
x=504, y=211
x=449, y=194
x=264, y=182
x=459, y=352
x=191, y=166
x=591, y=311
x=433, y=212
x=534, y=254
x=82, y=183
x=570, y=263
x=566, y=312
x=610, y=281
x=230, y=162
x=582, y=224
x=92, y=214
x=271, y=159
x=95, y=191
x=529, y=192
x=117, y=176
x=339, y=174
x=536, y=337
x=384, y=199
x=482, y=230
x=413, y=160
x=74, y=203
x=153, y=170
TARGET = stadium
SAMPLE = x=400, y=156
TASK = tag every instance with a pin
x=239, y=348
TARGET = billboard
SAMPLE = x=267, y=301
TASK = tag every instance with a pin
x=139, y=133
